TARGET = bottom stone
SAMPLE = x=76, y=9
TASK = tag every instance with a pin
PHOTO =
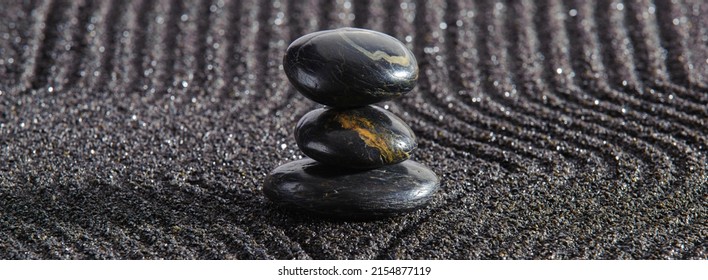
x=335, y=192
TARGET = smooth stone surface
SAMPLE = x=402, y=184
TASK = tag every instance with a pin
x=334, y=192
x=350, y=67
x=363, y=138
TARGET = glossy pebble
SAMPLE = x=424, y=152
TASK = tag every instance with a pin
x=344, y=193
x=363, y=138
x=350, y=67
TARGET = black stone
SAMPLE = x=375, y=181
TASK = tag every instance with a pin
x=350, y=67
x=344, y=193
x=364, y=138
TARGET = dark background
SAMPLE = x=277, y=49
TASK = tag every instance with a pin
x=559, y=129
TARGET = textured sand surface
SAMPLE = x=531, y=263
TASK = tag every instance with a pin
x=560, y=129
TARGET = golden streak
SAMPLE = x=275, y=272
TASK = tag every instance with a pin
x=378, y=55
x=366, y=132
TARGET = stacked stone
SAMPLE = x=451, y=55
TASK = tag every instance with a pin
x=359, y=164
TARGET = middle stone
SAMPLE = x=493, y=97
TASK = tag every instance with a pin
x=363, y=138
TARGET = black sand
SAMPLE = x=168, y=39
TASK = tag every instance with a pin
x=560, y=130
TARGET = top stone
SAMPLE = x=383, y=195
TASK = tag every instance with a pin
x=350, y=67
